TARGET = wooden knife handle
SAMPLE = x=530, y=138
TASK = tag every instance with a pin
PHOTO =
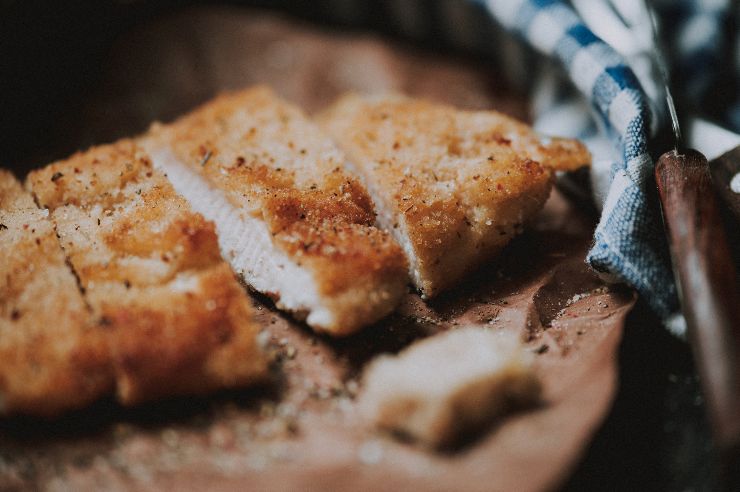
x=708, y=290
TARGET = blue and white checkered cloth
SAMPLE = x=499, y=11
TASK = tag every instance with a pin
x=629, y=244
x=583, y=87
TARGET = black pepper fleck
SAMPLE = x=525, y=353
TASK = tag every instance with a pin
x=206, y=157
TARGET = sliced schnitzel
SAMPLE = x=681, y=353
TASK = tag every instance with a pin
x=52, y=356
x=175, y=317
x=453, y=186
x=290, y=220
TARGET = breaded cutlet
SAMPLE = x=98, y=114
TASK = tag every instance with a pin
x=453, y=186
x=175, y=317
x=289, y=219
x=52, y=356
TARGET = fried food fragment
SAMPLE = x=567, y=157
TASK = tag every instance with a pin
x=440, y=389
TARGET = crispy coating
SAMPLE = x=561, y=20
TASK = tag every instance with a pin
x=52, y=356
x=12, y=195
x=453, y=186
x=188, y=336
x=274, y=164
x=176, y=319
x=441, y=388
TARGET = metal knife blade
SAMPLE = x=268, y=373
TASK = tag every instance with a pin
x=662, y=65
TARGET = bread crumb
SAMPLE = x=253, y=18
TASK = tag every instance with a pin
x=440, y=389
x=371, y=452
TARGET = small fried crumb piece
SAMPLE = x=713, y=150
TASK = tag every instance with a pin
x=441, y=389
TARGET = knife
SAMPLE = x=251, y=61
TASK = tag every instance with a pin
x=700, y=254
x=705, y=275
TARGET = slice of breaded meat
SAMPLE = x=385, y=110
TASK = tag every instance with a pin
x=52, y=356
x=289, y=219
x=453, y=186
x=177, y=320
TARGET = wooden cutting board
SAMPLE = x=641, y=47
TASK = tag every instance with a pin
x=303, y=432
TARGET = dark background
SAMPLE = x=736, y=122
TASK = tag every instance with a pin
x=51, y=54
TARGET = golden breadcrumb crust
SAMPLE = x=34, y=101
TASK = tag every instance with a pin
x=441, y=389
x=52, y=357
x=166, y=341
x=12, y=195
x=272, y=162
x=454, y=186
x=175, y=316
